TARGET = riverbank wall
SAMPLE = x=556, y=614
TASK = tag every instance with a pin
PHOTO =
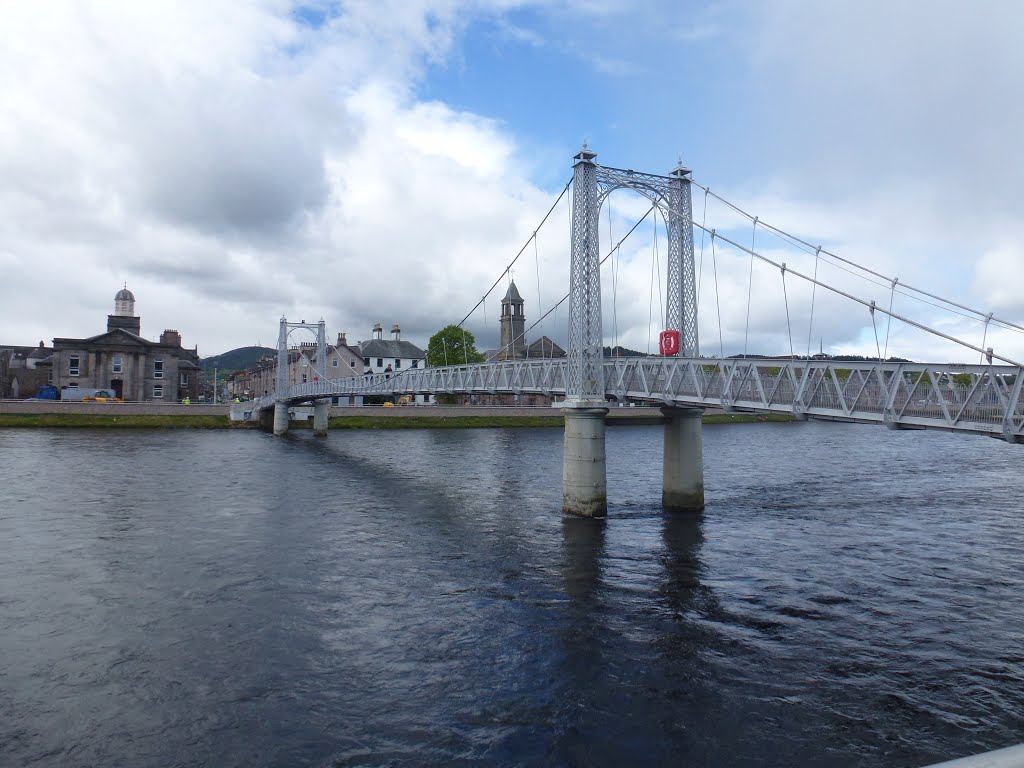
x=55, y=413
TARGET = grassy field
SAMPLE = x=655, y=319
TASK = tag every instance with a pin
x=148, y=421
x=73, y=420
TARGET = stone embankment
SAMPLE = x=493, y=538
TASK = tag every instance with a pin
x=36, y=407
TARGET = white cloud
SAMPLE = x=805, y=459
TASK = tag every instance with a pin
x=232, y=163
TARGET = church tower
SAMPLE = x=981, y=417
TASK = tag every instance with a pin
x=513, y=325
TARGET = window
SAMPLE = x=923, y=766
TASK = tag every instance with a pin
x=398, y=363
x=352, y=363
x=366, y=361
x=73, y=385
x=334, y=362
x=184, y=379
x=415, y=363
x=158, y=390
x=73, y=365
x=49, y=376
x=380, y=362
x=117, y=364
x=158, y=370
x=303, y=378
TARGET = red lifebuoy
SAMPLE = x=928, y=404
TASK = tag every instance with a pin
x=668, y=342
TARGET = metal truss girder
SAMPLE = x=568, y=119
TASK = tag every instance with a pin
x=899, y=394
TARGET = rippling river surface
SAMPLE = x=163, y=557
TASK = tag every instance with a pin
x=850, y=596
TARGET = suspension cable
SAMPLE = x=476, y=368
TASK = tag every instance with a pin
x=750, y=285
x=871, y=309
x=888, y=322
x=814, y=288
x=851, y=297
x=615, y=286
x=785, y=297
x=794, y=240
x=984, y=336
x=700, y=263
x=618, y=246
x=520, y=253
x=718, y=303
x=657, y=258
x=536, y=259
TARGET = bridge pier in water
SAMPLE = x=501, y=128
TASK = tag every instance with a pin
x=321, y=409
x=584, y=477
x=280, y=417
x=682, y=487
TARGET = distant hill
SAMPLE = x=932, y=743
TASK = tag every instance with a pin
x=235, y=360
x=621, y=351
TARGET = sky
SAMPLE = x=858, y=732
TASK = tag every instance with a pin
x=384, y=162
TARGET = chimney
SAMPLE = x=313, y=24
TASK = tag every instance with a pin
x=396, y=332
x=41, y=345
x=342, y=339
x=171, y=337
x=377, y=331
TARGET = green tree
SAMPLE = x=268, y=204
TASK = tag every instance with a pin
x=452, y=346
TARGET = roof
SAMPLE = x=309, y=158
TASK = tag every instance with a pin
x=512, y=295
x=391, y=348
x=544, y=348
x=124, y=295
x=127, y=337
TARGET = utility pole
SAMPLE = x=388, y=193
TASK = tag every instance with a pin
x=215, y=385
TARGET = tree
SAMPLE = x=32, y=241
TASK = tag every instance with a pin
x=452, y=346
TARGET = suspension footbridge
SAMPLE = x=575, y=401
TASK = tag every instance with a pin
x=983, y=398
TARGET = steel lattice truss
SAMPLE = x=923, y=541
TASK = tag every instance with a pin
x=592, y=184
x=984, y=399
x=671, y=195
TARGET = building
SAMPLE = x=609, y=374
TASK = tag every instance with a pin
x=513, y=326
x=514, y=346
x=513, y=333
x=382, y=355
x=24, y=370
x=392, y=355
x=122, y=360
x=260, y=379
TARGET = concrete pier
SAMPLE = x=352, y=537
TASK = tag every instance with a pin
x=321, y=408
x=584, y=481
x=280, y=417
x=683, y=468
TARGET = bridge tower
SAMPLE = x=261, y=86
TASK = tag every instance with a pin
x=681, y=289
x=584, y=478
x=321, y=407
x=683, y=459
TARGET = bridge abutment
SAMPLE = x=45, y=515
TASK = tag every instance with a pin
x=280, y=417
x=683, y=463
x=584, y=479
x=321, y=409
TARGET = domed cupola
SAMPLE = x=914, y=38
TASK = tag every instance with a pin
x=124, y=303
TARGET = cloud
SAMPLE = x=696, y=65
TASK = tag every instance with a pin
x=233, y=163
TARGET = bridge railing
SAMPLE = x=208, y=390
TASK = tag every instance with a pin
x=977, y=398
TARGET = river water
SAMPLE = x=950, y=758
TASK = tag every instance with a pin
x=851, y=596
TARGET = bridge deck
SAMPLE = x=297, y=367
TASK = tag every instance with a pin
x=983, y=399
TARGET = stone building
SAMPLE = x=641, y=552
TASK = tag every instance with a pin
x=122, y=360
x=513, y=333
x=514, y=346
x=24, y=370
